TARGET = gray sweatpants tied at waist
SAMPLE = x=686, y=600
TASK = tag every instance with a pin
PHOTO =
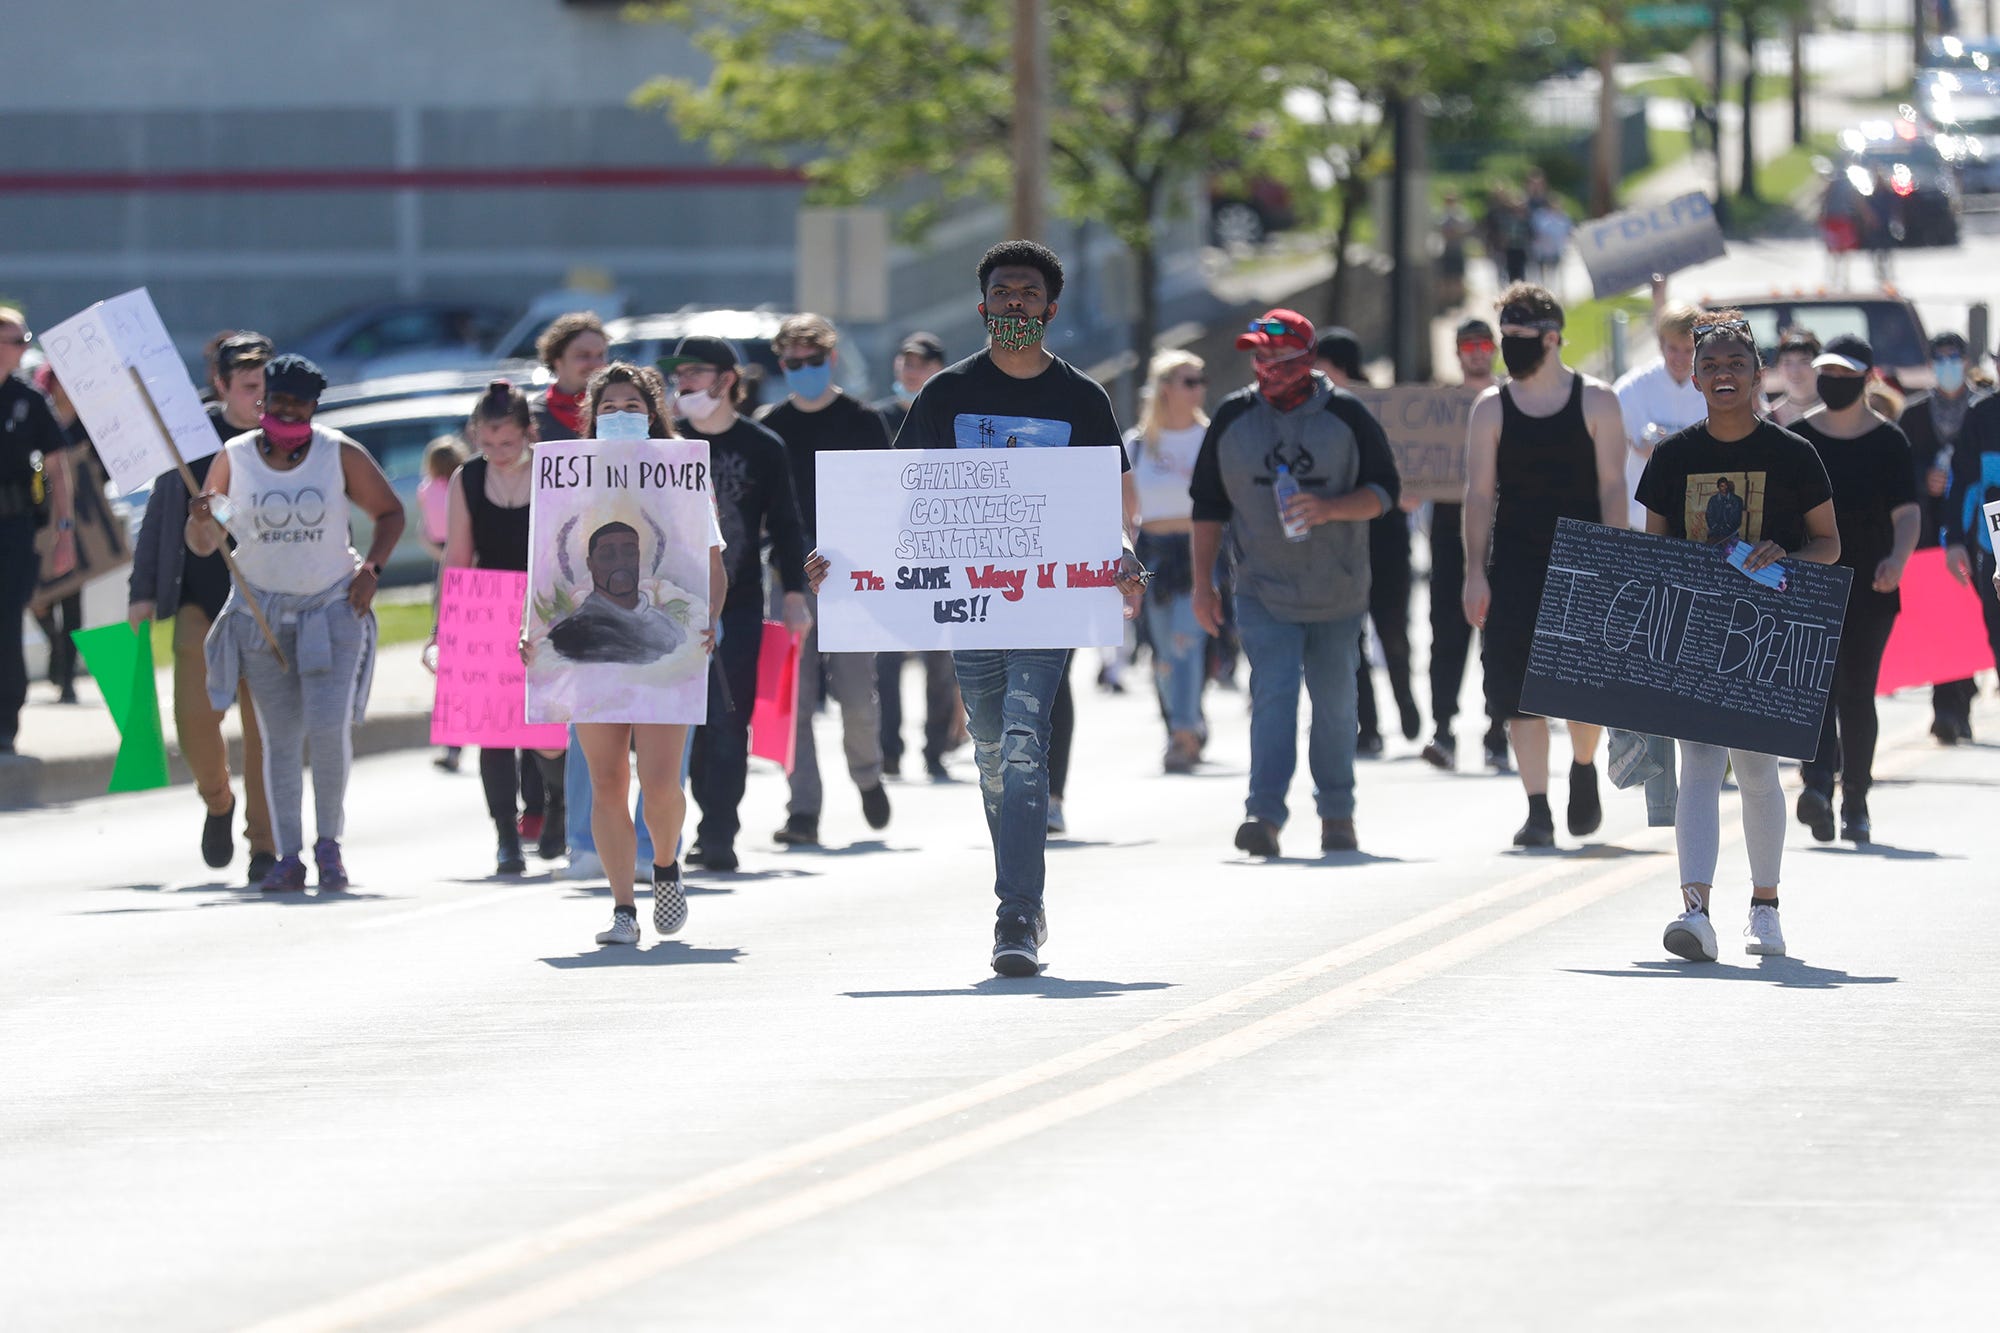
x=331, y=655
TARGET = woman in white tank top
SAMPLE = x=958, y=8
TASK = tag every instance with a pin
x=282, y=491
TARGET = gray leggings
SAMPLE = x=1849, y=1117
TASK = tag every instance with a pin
x=317, y=706
x=1697, y=817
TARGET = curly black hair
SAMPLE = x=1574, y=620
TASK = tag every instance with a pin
x=1023, y=254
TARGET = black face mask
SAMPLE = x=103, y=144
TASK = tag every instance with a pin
x=1842, y=391
x=1523, y=356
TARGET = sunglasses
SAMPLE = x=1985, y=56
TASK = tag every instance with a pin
x=801, y=362
x=1725, y=326
x=1476, y=345
x=1192, y=381
x=1277, y=328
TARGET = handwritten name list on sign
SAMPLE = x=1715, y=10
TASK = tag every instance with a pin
x=1625, y=250
x=1661, y=636
x=93, y=354
x=482, y=688
x=1426, y=426
x=940, y=549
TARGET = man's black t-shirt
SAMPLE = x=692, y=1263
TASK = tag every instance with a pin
x=204, y=578
x=977, y=405
x=894, y=412
x=753, y=492
x=1871, y=476
x=1759, y=488
x=842, y=424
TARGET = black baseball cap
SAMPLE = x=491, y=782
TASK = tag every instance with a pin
x=1343, y=349
x=699, y=349
x=1475, y=328
x=1849, y=350
x=926, y=345
x=1948, y=343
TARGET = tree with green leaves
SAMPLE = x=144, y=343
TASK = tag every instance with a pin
x=1146, y=98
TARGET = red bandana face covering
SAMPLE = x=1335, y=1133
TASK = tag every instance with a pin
x=1285, y=383
x=566, y=407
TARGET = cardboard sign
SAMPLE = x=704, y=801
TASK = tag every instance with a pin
x=1625, y=250
x=93, y=352
x=100, y=545
x=1662, y=636
x=774, y=732
x=1941, y=633
x=482, y=688
x=974, y=548
x=1426, y=426
x=1993, y=526
x=619, y=535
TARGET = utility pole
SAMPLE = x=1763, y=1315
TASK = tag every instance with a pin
x=1409, y=254
x=1721, y=51
x=1031, y=121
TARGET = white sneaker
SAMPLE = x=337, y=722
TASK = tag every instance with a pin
x=1766, y=936
x=1691, y=936
x=624, y=927
x=583, y=866
x=1056, y=823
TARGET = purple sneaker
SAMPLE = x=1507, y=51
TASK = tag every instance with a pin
x=287, y=876
x=332, y=874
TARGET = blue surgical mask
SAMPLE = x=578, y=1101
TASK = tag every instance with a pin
x=622, y=426
x=1950, y=373
x=809, y=382
x=904, y=395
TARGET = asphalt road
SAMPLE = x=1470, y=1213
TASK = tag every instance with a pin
x=1434, y=1085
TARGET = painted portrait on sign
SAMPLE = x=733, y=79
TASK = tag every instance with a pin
x=618, y=582
x=1725, y=507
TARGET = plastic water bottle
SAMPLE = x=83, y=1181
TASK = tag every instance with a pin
x=1285, y=486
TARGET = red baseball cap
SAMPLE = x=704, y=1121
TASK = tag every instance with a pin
x=1278, y=328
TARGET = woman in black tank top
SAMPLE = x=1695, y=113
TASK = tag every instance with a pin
x=489, y=530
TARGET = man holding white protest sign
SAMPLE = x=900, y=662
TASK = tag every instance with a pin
x=1014, y=395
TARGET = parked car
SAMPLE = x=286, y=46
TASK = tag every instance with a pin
x=1905, y=177
x=396, y=431
x=352, y=344
x=1246, y=212
x=1956, y=53
x=644, y=339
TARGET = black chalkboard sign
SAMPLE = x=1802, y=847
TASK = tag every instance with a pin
x=1665, y=637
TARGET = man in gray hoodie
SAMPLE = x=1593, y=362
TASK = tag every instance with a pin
x=1301, y=565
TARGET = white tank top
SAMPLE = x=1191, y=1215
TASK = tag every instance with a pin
x=1162, y=474
x=290, y=527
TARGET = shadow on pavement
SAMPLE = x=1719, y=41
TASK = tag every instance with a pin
x=232, y=895
x=1059, y=842
x=1792, y=973
x=543, y=877
x=644, y=890
x=1323, y=860
x=1885, y=851
x=866, y=847
x=1048, y=987
x=663, y=953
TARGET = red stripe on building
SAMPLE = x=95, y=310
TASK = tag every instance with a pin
x=422, y=178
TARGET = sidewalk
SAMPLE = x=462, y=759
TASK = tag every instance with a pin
x=67, y=750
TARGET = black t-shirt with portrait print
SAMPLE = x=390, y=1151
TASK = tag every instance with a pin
x=1872, y=475
x=977, y=405
x=1759, y=488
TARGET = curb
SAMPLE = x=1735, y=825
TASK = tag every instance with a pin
x=28, y=783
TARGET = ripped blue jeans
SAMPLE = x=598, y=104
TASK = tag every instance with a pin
x=1008, y=695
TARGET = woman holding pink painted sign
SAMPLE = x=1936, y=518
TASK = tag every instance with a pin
x=487, y=528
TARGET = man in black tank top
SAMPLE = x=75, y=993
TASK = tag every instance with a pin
x=1547, y=446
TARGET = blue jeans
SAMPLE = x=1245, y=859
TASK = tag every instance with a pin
x=1008, y=695
x=1324, y=653
x=576, y=806
x=1180, y=656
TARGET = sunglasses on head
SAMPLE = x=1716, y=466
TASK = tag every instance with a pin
x=1724, y=326
x=801, y=362
x=1277, y=328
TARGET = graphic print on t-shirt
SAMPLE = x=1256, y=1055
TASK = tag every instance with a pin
x=985, y=431
x=1724, y=506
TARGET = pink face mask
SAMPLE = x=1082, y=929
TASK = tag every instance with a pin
x=288, y=435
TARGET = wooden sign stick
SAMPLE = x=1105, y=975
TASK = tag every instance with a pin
x=194, y=489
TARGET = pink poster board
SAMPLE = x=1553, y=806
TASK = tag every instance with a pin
x=1941, y=634
x=774, y=721
x=482, y=688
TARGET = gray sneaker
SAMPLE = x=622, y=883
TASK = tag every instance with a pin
x=624, y=927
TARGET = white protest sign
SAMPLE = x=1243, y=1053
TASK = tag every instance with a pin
x=92, y=353
x=964, y=549
x=1993, y=526
x=1625, y=250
